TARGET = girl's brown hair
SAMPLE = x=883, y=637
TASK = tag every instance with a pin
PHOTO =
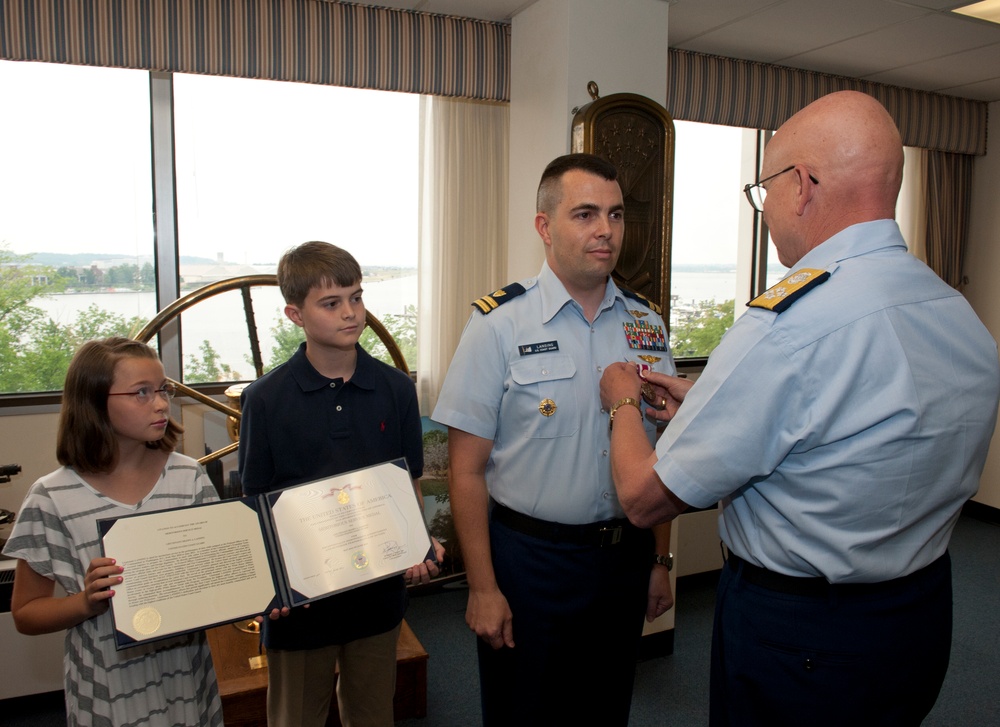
x=86, y=441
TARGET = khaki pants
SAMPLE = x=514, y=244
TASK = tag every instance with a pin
x=300, y=683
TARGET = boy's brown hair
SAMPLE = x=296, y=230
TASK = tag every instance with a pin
x=315, y=263
x=86, y=440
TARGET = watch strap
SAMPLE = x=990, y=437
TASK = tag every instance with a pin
x=666, y=560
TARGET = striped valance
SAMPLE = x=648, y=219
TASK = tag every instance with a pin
x=762, y=96
x=315, y=41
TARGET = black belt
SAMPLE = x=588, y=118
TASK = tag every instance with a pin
x=601, y=534
x=817, y=586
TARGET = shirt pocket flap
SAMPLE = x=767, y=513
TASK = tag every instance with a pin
x=538, y=369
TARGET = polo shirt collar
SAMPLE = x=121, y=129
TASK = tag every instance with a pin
x=309, y=379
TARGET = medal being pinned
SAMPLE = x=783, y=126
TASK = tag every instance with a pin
x=646, y=388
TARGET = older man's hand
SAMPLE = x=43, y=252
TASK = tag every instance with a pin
x=669, y=393
x=619, y=380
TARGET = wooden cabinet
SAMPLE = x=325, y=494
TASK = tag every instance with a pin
x=242, y=675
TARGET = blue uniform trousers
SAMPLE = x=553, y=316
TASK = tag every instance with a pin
x=818, y=654
x=577, y=620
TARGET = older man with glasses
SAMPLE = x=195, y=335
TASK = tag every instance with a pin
x=842, y=423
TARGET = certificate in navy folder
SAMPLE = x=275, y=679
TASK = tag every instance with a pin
x=196, y=567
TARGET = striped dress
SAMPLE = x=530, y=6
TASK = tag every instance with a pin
x=162, y=683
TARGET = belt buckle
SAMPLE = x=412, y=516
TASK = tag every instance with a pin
x=610, y=536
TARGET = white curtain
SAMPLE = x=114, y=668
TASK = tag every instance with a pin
x=912, y=203
x=463, y=225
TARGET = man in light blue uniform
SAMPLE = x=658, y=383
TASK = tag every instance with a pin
x=558, y=578
x=842, y=422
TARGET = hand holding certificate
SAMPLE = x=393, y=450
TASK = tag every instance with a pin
x=197, y=567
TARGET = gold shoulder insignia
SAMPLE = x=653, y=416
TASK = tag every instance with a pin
x=498, y=297
x=780, y=297
x=642, y=299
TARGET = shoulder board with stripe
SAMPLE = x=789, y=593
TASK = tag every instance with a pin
x=498, y=297
x=779, y=298
x=641, y=298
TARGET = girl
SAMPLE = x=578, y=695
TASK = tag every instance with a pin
x=115, y=442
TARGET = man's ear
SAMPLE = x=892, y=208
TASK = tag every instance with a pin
x=806, y=189
x=542, y=227
x=294, y=314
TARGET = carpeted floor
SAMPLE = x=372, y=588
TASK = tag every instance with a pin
x=673, y=690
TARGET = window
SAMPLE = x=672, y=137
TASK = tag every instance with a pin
x=260, y=166
x=711, y=233
x=75, y=194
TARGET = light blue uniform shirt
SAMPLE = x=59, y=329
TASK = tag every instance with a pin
x=843, y=435
x=535, y=347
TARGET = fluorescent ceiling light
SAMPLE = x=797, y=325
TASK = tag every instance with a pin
x=986, y=10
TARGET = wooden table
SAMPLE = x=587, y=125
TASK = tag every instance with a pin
x=243, y=678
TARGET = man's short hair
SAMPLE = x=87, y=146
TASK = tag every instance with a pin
x=550, y=189
x=315, y=263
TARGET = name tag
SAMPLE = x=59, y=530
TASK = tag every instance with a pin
x=526, y=349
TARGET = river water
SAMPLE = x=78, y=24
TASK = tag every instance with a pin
x=220, y=319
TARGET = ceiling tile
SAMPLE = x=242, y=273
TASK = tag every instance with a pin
x=794, y=27
x=983, y=91
x=692, y=18
x=936, y=4
x=975, y=67
x=917, y=41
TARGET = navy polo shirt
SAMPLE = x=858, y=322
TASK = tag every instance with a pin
x=298, y=426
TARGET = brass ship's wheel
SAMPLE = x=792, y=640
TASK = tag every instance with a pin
x=243, y=284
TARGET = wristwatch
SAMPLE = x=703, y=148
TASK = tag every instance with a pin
x=667, y=560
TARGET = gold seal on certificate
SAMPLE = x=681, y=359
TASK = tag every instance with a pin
x=360, y=560
x=342, y=494
x=146, y=621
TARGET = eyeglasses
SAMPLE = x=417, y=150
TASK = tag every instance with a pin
x=145, y=394
x=757, y=193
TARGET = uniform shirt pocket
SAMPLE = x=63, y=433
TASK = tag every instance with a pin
x=545, y=384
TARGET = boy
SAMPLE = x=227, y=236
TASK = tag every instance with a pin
x=330, y=408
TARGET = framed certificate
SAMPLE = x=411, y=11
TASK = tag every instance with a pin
x=195, y=567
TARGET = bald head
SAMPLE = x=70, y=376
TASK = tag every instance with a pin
x=850, y=144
